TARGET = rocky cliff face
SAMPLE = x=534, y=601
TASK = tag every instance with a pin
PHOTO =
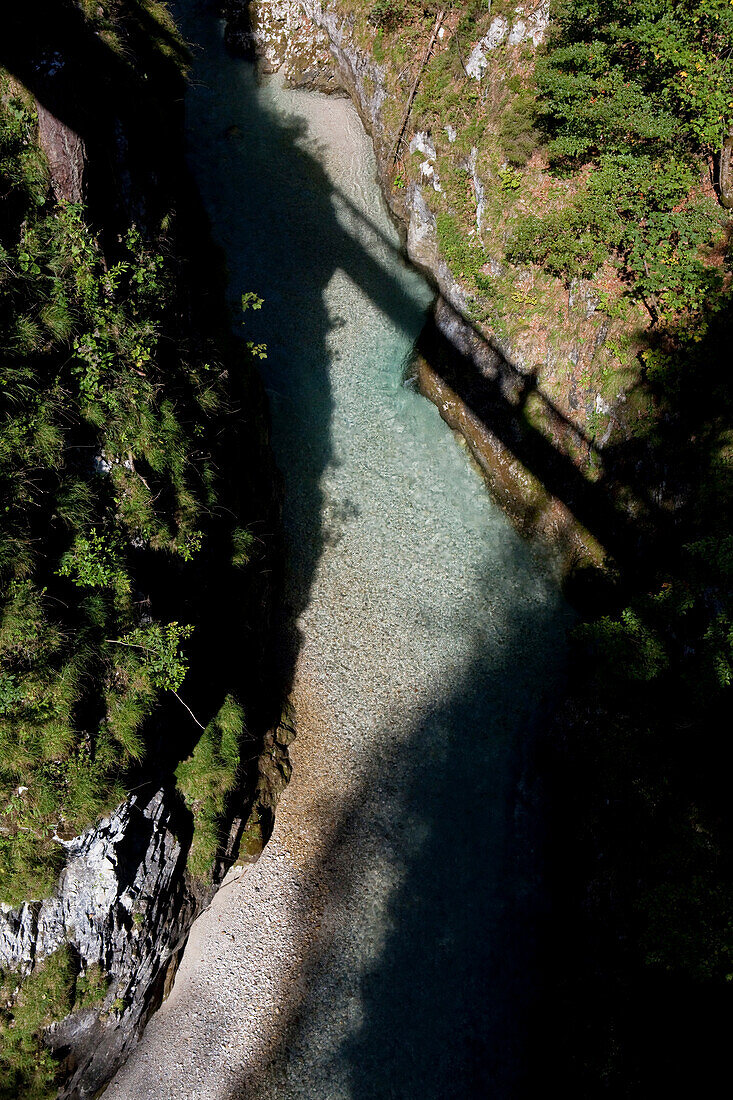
x=123, y=903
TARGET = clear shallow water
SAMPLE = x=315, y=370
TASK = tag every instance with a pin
x=383, y=945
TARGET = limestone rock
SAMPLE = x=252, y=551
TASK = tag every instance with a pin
x=422, y=238
x=122, y=902
x=526, y=26
x=478, y=188
x=478, y=61
x=535, y=24
x=421, y=143
x=285, y=36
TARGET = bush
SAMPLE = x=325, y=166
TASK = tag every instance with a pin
x=387, y=14
x=561, y=243
x=28, y=1070
x=518, y=134
x=644, y=92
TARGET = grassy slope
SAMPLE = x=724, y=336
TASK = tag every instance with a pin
x=131, y=566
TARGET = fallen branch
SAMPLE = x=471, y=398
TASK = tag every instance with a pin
x=408, y=109
x=189, y=710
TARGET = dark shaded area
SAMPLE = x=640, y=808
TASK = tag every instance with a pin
x=87, y=81
x=637, y=762
x=443, y=1009
x=446, y=1003
x=497, y=393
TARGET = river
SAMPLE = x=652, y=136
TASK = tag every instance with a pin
x=385, y=943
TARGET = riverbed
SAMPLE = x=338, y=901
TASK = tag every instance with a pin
x=384, y=944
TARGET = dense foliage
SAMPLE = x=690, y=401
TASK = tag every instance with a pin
x=91, y=442
x=643, y=93
x=117, y=420
x=131, y=601
x=642, y=863
x=56, y=987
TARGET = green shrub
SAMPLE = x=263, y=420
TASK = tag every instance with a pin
x=207, y=777
x=387, y=13
x=95, y=562
x=28, y=1070
x=160, y=652
x=561, y=243
x=114, y=422
x=465, y=254
x=517, y=132
x=243, y=542
x=91, y=987
x=643, y=92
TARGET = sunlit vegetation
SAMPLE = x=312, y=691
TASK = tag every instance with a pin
x=644, y=93
x=55, y=987
x=114, y=413
x=207, y=777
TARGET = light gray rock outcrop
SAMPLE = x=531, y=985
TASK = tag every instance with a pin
x=123, y=902
x=478, y=61
x=524, y=25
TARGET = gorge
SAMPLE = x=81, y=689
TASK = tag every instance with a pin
x=399, y=885
x=354, y=744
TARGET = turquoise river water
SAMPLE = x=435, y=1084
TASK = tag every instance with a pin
x=384, y=944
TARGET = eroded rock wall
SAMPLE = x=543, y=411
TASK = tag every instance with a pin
x=123, y=903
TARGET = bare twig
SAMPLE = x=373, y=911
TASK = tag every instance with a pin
x=189, y=710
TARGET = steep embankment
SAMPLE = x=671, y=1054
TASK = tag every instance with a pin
x=563, y=172
x=134, y=570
